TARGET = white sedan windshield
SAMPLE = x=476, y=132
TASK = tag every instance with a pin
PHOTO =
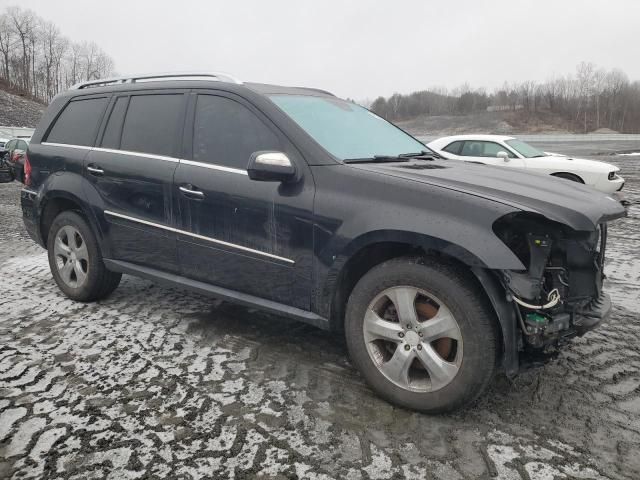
x=525, y=149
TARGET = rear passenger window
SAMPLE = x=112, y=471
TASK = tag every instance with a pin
x=473, y=149
x=453, y=147
x=227, y=133
x=152, y=123
x=78, y=122
x=111, y=137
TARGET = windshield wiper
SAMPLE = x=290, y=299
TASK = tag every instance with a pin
x=403, y=157
x=377, y=159
x=424, y=155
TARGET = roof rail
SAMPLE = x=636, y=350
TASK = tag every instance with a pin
x=157, y=77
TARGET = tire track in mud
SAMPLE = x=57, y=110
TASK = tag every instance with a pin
x=159, y=382
x=127, y=377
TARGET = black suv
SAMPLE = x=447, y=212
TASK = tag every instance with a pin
x=291, y=200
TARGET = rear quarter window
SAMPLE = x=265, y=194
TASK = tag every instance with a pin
x=453, y=148
x=78, y=123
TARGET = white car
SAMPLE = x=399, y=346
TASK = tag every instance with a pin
x=513, y=153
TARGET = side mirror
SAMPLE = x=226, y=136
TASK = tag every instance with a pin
x=503, y=155
x=270, y=167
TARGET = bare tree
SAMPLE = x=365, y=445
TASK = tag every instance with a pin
x=36, y=58
x=598, y=83
x=7, y=40
x=587, y=100
x=24, y=24
x=584, y=76
x=75, y=63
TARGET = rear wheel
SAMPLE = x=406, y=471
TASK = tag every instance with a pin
x=75, y=260
x=422, y=334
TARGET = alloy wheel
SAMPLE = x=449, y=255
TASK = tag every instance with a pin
x=413, y=339
x=72, y=256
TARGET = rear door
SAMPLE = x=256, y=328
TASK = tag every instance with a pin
x=70, y=137
x=249, y=236
x=131, y=170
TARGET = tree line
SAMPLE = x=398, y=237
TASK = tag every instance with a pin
x=37, y=60
x=589, y=99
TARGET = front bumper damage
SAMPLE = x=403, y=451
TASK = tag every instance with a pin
x=517, y=355
x=557, y=297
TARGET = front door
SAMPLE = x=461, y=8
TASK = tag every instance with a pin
x=249, y=236
x=132, y=171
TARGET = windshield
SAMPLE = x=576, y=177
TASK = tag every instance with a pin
x=346, y=130
x=525, y=149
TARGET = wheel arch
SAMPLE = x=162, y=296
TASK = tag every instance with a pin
x=363, y=256
x=371, y=249
x=55, y=202
x=67, y=191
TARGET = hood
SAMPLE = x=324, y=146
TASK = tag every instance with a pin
x=576, y=205
x=595, y=166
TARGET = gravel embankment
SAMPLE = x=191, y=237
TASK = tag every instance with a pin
x=17, y=111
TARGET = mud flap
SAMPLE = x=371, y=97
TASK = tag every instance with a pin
x=507, y=318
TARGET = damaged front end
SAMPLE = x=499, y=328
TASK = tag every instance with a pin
x=559, y=295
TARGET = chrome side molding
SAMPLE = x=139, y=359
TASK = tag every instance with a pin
x=195, y=235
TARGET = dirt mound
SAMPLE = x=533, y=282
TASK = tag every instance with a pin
x=503, y=123
x=604, y=130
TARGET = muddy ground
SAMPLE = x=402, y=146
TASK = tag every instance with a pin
x=161, y=383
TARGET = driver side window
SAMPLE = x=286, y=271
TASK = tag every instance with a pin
x=491, y=149
x=227, y=133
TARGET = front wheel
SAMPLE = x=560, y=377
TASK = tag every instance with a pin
x=75, y=260
x=422, y=334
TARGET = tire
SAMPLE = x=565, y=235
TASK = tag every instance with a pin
x=568, y=176
x=465, y=349
x=75, y=260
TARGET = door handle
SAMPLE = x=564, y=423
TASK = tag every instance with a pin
x=189, y=191
x=94, y=170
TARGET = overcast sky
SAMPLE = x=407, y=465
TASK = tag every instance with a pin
x=358, y=49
